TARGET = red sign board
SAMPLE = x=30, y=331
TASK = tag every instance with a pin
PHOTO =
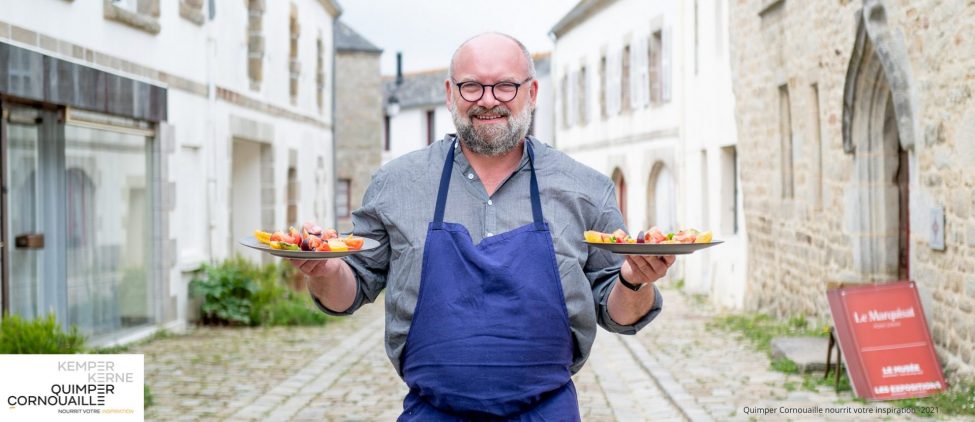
x=885, y=341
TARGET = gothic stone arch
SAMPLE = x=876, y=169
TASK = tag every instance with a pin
x=879, y=124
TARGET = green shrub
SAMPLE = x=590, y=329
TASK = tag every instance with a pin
x=238, y=292
x=38, y=336
x=228, y=291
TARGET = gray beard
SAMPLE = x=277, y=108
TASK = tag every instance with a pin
x=491, y=140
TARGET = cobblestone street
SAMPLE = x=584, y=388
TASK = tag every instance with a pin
x=676, y=369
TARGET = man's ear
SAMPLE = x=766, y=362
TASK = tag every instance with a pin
x=449, y=98
x=533, y=91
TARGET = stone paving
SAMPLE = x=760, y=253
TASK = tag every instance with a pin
x=676, y=369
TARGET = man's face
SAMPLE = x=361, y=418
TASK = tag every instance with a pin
x=487, y=125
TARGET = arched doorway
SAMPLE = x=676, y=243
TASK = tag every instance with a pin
x=620, y=182
x=662, y=194
x=878, y=131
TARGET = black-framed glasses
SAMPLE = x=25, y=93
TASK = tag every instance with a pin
x=472, y=91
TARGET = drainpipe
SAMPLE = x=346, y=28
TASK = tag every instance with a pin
x=335, y=182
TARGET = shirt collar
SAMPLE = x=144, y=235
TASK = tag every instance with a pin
x=461, y=163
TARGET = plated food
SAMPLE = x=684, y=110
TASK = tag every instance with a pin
x=651, y=242
x=312, y=242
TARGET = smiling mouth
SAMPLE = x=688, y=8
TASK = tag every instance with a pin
x=488, y=117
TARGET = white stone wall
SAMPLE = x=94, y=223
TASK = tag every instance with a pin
x=673, y=133
x=196, y=63
x=710, y=134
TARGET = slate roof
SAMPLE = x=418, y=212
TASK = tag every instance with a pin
x=418, y=89
x=346, y=39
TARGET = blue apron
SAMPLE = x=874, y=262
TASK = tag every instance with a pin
x=490, y=337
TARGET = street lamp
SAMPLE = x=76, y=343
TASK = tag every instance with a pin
x=392, y=105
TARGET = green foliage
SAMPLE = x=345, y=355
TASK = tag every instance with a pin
x=958, y=400
x=228, y=291
x=294, y=309
x=762, y=328
x=38, y=336
x=785, y=365
x=238, y=292
x=149, y=400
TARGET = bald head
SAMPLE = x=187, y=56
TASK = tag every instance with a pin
x=493, y=43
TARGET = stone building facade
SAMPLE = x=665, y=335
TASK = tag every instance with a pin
x=358, y=120
x=857, y=133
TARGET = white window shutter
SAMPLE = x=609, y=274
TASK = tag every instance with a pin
x=641, y=84
x=614, y=69
x=572, y=98
x=666, y=59
x=634, y=75
x=586, y=95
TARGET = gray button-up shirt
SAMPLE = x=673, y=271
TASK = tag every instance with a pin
x=399, y=204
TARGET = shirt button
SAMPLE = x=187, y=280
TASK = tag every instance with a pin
x=489, y=234
x=470, y=176
x=490, y=202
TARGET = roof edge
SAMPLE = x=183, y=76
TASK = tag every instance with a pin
x=579, y=13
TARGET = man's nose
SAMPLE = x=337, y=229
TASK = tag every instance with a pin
x=487, y=100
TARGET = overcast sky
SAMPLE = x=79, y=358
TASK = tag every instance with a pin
x=428, y=31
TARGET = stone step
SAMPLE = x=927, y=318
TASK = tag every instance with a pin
x=809, y=353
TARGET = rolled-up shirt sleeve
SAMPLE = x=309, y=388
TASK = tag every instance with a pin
x=603, y=268
x=371, y=267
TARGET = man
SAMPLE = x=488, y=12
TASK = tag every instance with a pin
x=492, y=305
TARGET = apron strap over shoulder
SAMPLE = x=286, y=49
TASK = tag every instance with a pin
x=448, y=167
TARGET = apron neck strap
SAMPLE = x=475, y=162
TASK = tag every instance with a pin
x=448, y=167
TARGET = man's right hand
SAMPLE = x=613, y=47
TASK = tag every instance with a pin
x=330, y=280
x=327, y=268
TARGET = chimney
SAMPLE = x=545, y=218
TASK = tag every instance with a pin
x=399, y=68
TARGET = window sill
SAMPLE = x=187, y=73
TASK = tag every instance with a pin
x=146, y=23
x=191, y=14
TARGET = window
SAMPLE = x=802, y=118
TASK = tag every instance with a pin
x=581, y=94
x=320, y=74
x=294, y=66
x=602, y=87
x=292, y=190
x=729, y=190
x=785, y=142
x=656, y=72
x=817, y=150
x=431, y=129
x=342, y=198
x=572, y=109
x=108, y=240
x=142, y=7
x=255, y=43
x=625, y=79
x=386, y=133
x=141, y=14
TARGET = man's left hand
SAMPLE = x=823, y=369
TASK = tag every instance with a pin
x=640, y=269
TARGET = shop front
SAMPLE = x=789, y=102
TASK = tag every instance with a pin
x=79, y=170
